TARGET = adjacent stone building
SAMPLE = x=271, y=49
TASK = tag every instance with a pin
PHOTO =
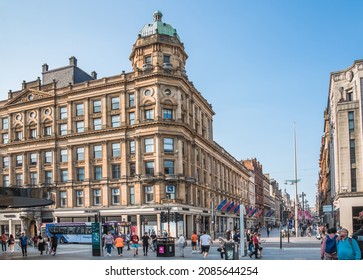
x=341, y=160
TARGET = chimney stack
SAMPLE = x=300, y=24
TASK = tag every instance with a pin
x=72, y=61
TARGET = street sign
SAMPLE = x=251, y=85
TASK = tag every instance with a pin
x=327, y=208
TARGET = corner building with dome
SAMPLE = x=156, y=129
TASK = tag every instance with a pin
x=131, y=147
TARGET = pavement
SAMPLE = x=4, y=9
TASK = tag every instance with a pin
x=298, y=248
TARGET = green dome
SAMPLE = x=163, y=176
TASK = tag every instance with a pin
x=158, y=27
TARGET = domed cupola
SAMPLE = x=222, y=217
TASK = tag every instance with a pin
x=158, y=48
x=158, y=27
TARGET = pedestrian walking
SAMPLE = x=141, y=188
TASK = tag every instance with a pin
x=347, y=247
x=41, y=244
x=11, y=243
x=181, y=244
x=328, y=250
x=54, y=244
x=194, y=240
x=47, y=244
x=145, y=243
x=23, y=242
x=128, y=240
x=153, y=241
x=119, y=243
x=4, y=239
x=109, y=242
x=222, y=248
x=135, y=243
x=205, y=241
x=35, y=241
x=255, y=246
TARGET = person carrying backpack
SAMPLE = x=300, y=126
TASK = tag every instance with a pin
x=329, y=245
x=348, y=248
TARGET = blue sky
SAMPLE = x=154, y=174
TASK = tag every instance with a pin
x=263, y=65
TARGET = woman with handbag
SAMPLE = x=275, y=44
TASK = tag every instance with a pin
x=11, y=242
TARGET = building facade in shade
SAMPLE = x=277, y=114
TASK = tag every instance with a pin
x=129, y=147
x=341, y=160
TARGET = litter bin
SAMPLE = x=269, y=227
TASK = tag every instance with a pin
x=231, y=251
x=165, y=247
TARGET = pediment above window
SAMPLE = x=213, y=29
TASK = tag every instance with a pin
x=29, y=95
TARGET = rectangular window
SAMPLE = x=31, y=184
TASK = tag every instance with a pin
x=79, y=198
x=149, y=194
x=132, y=169
x=5, y=137
x=64, y=155
x=116, y=150
x=167, y=114
x=98, y=173
x=149, y=167
x=115, y=121
x=168, y=145
x=350, y=96
x=47, y=131
x=170, y=191
x=5, y=162
x=64, y=175
x=33, y=178
x=149, y=145
x=168, y=167
x=132, y=195
x=80, y=174
x=115, y=193
x=353, y=179
x=6, y=182
x=33, y=159
x=97, y=124
x=132, y=100
x=147, y=59
x=33, y=133
x=63, y=113
x=48, y=157
x=48, y=177
x=79, y=109
x=63, y=129
x=63, y=199
x=19, y=180
x=5, y=123
x=131, y=118
x=80, y=126
x=18, y=135
x=132, y=146
x=116, y=171
x=351, y=121
x=97, y=151
x=149, y=114
x=96, y=197
x=115, y=103
x=96, y=106
x=80, y=153
x=166, y=58
x=352, y=150
x=19, y=160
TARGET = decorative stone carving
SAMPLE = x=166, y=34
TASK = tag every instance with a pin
x=349, y=76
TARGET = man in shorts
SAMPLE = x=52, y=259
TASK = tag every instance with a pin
x=194, y=239
x=135, y=243
x=205, y=241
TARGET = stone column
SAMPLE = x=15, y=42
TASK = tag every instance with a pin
x=137, y=105
x=138, y=160
x=123, y=147
x=123, y=105
x=86, y=115
x=158, y=115
x=26, y=173
x=158, y=155
x=55, y=166
x=69, y=118
x=71, y=175
x=87, y=168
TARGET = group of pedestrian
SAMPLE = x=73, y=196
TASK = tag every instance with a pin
x=254, y=244
x=337, y=245
x=42, y=244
